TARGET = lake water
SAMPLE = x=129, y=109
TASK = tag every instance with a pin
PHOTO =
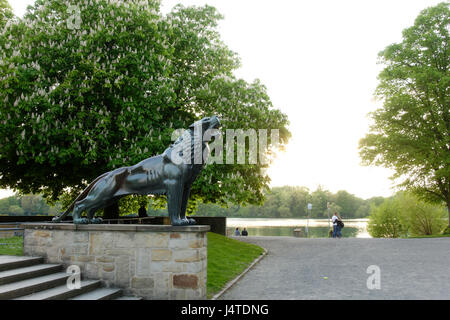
x=317, y=228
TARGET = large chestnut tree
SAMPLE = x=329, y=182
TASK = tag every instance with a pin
x=89, y=86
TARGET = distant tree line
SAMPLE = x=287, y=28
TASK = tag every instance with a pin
x=292, y=202
x=27, y=205
x=281, y=202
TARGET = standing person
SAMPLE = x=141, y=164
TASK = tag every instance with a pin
x=244, y=232
x=336, y=227
x=142, y=213
x=340, y=226
x=236, y=232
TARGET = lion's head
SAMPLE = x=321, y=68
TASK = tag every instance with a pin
x=190, y=146
x=207, y=123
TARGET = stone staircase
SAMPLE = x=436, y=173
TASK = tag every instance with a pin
x=28, y=278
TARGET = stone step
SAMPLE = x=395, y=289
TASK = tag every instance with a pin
x=18, y=274
x=27, y=278
x=13, y=262
x=62, y=292
x=128, y=298
x=99, y=294
x=29, y=286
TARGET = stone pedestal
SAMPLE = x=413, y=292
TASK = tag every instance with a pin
x=150, y=261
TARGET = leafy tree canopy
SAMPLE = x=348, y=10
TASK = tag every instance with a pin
x=87, y=86
x=6, y=12
x=411, y=132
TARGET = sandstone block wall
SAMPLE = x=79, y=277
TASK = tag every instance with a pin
x=150, y=261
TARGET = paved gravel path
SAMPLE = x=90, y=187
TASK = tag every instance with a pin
x=294, y=268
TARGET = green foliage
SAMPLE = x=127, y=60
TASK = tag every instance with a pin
x=227, y=258
x=131, y=204
x=27, y=205
x=12, y=246
x=349, y=204
x=76, y=102
x=419, y=217
x=432, y=236
x=15, y=210
x=6, y=13
x=319, y=200
x=411, y=132
x=385, y=221
x=406, y=215
x=30, y=205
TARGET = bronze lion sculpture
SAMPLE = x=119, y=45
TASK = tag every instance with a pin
x=171, y=173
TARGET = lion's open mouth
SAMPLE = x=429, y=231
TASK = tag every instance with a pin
x=214, y=123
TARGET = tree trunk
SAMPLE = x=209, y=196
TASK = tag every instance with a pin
x=112, y=211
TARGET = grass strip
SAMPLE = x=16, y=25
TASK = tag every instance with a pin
x=227, y=258
x=11, y=246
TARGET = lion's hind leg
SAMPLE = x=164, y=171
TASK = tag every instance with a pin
x=91, y=218
x=78, y=209
x=90, y=205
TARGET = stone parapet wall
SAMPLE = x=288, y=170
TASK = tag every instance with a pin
x=150, y=261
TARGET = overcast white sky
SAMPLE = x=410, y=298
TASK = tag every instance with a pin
x=318, y=61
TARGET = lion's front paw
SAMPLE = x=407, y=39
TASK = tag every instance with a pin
x=81, y=221
x=179, y=222
x=56, y=219
x=96, y=220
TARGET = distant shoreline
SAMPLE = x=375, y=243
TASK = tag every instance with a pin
x=289, y=222
x=360, y=224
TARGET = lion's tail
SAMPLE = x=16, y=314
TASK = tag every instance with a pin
x=80, y=197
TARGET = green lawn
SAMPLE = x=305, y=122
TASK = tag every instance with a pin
x=227, y=258
x=14, y=246
x=432, y=236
